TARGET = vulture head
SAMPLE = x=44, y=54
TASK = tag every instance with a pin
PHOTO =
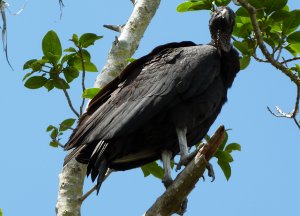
x=221, y=26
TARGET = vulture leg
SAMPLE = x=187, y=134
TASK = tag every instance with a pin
x=184, y=155
x=167, y=180
x=166, y=159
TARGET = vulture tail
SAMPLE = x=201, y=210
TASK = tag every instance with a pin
x=98, y=164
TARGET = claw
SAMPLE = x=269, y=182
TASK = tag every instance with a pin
x=211, y=172
x=183, y=207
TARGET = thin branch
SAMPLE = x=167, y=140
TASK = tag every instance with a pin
x=117, y=28
x=82, y=80
x=87, y=194
x=289, y=60
x=170, y=201
x=258, y=34
x=259, y=59
x=296, y=122
x=69, y=101
x=3, y=6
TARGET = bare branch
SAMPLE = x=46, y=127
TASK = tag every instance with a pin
x=82, y=81
x=69, y=101
x=289, y=60
x=87, y=194
x=117, y=28
x=3, y=6
x=170, y=201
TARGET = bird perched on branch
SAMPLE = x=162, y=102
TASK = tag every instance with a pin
x=160, y=105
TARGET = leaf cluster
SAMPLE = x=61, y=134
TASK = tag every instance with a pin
x=55, y=70
x=223, y=154
x=57, y=132
x=277, y=22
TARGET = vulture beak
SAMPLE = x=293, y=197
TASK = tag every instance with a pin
x=224, y=13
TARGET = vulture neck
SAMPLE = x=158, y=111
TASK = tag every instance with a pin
x=221, y=41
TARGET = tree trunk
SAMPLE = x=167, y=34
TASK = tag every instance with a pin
x=72, y=176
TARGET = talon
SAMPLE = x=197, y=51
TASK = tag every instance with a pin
x=211, y=172
x=183, y=207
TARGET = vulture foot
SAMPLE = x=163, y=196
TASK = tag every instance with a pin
x=183, y=207
x=211, y=172
x=185, y=159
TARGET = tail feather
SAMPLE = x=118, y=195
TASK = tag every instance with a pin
x=102, y=169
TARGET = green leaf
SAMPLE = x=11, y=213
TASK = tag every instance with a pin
x=54, y=133
x=145, y=170
x=292, y=23
x=294, y=38
x=224, y=156
x=54, y=143
x=68, y=57
x=61, y=83
x=51, y=46
x=222, y=2
x=154, y=169
x=70, y=49
x=1, y=213
x=50, y=128
x=88, y=39
x=294, y=49
x=256, y=3
x=233, y=147
x=86, y=55
x=89, y=66
x=225, y=166
x=242, y=46
x=273, y=5
x=194, y=5
x=27, y=75
x=27, y=64
x=244, y=62
x=90, y=93
x=49, y=85
x=75, y=39
x=35, y=82
x=70, y=73
x=66, y=124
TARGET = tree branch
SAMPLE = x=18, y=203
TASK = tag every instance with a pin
x=72, y=176
x=258, y=34
x=69, y=101
x=170, y=201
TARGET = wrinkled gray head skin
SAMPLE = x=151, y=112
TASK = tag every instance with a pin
x=221, y=26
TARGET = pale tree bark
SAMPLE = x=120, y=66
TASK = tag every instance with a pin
x=72, y=176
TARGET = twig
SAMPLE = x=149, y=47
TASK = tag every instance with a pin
x=289, y=60
x=291, y=115
x=117, y=28
x=3, y=6
x=69, y=101
x=296, y=122
x=87, y=194
x=82, y=80
x=259, y=59
x=258, y=34
x=170, y=201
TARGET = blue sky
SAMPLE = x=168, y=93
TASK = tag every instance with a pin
x=265, y=175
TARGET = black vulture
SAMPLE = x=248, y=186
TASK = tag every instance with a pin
x=160, y=104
